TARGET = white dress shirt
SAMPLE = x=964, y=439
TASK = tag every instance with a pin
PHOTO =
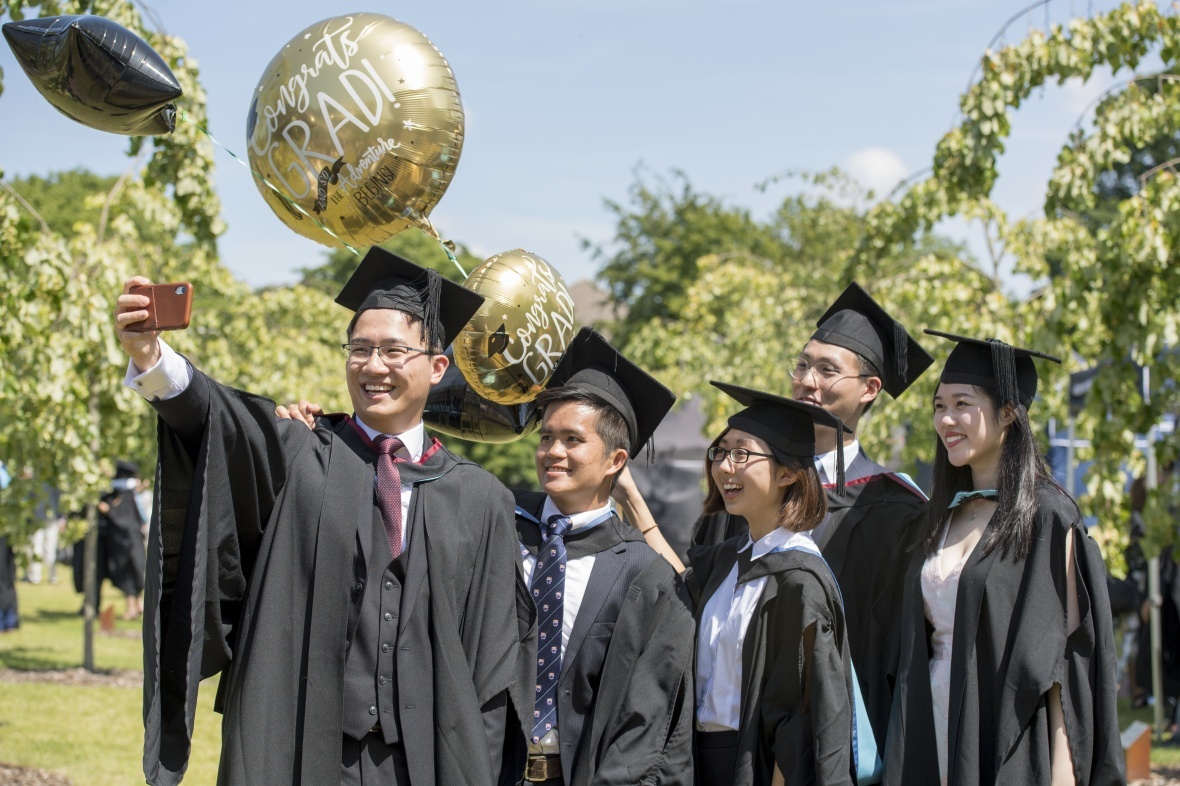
x=826, y=462
x=724, y=622
x=411, y=450
x=172, y=375
x=577, y=571
x=167, y=379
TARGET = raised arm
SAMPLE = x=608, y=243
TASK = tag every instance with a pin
x=635, y=510
x=142, y=348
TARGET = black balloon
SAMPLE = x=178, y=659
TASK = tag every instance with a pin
x=97, y=72
x=453, y=408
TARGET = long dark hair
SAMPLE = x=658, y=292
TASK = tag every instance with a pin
x=1022, y=471
x=804, y=504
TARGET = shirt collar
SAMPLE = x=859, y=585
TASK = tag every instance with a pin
x=584, y=520
x=411, y=440
x=826, y=462
x=780, y=539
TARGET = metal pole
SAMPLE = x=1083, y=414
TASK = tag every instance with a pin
x=1153, y=587
x=1069, y=459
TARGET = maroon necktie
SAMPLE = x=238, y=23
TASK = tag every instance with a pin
x=389, y=491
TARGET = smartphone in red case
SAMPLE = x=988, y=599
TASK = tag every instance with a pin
x=170, y=308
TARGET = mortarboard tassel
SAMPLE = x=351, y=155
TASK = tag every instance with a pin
x=1004, y=368
x=901, y=345
x=431, y=303
x=839, y=457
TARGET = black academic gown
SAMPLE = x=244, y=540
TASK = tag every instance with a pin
x=625, y=695
x=121, y=532
x=253, y=569
x=1010, y=647
x=8, y=598
x=863, y=540
x=797, y=699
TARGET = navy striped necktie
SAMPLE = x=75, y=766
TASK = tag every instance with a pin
x=547, y=588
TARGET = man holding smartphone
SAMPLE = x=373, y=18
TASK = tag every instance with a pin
x=354, y=584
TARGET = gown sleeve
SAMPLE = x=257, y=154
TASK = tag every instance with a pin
x=222, y=462
x=820, y=731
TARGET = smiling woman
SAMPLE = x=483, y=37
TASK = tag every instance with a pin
x=774, y=679
x=1037, y=680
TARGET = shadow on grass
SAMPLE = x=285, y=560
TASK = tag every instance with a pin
x=50, y=615
x=32, y=659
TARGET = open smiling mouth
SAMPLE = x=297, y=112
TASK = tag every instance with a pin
x=373, y=389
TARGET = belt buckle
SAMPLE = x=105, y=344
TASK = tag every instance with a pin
x=542, y=768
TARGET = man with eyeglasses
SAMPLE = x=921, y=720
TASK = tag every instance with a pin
x=857, y=350
x=354, y=584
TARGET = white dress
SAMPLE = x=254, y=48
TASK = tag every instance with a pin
x=939, y=595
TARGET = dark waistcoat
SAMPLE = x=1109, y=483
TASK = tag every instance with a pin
x=370, y=670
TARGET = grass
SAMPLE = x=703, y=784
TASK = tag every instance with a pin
x=92, y=735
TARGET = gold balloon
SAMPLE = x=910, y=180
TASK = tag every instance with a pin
x=508, y=350
x=357, y=120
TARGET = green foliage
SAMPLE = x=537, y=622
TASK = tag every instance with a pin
x=1112, y=295
x=418, y=247
x=64, y=198
x=660, y=235
x=64, y=414
x=744, y=315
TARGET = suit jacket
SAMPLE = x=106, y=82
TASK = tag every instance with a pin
x=624, y=713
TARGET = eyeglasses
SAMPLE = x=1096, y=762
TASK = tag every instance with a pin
x=826, y=373
x=736, y=455
x=389, y=353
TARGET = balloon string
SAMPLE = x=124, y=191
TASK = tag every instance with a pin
x=184, y=116
x=451, y=256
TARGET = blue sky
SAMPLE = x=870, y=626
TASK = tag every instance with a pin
x=564, y=100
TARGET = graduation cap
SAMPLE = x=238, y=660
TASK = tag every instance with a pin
x=126, y=469
x=992, y=364
x=591, y=364
x=788, y=426
x=385, y=280
x=856, y=322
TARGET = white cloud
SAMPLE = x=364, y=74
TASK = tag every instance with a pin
x=876, y=168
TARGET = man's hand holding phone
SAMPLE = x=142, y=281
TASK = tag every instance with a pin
x=143, y=310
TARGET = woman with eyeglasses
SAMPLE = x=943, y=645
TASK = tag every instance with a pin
x=774, y=687
x=1006, y=670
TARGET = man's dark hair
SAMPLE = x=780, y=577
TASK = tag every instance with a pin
x=431, y=343
x=609, y=425
x=865, y=367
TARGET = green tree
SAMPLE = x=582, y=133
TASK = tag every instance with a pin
x=660, y=233
x=1110, y=265
x=65, y=415
x=744, y=315
x=417, y=247
x=64, y=198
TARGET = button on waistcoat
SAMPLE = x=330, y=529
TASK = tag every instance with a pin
x=370, y=671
